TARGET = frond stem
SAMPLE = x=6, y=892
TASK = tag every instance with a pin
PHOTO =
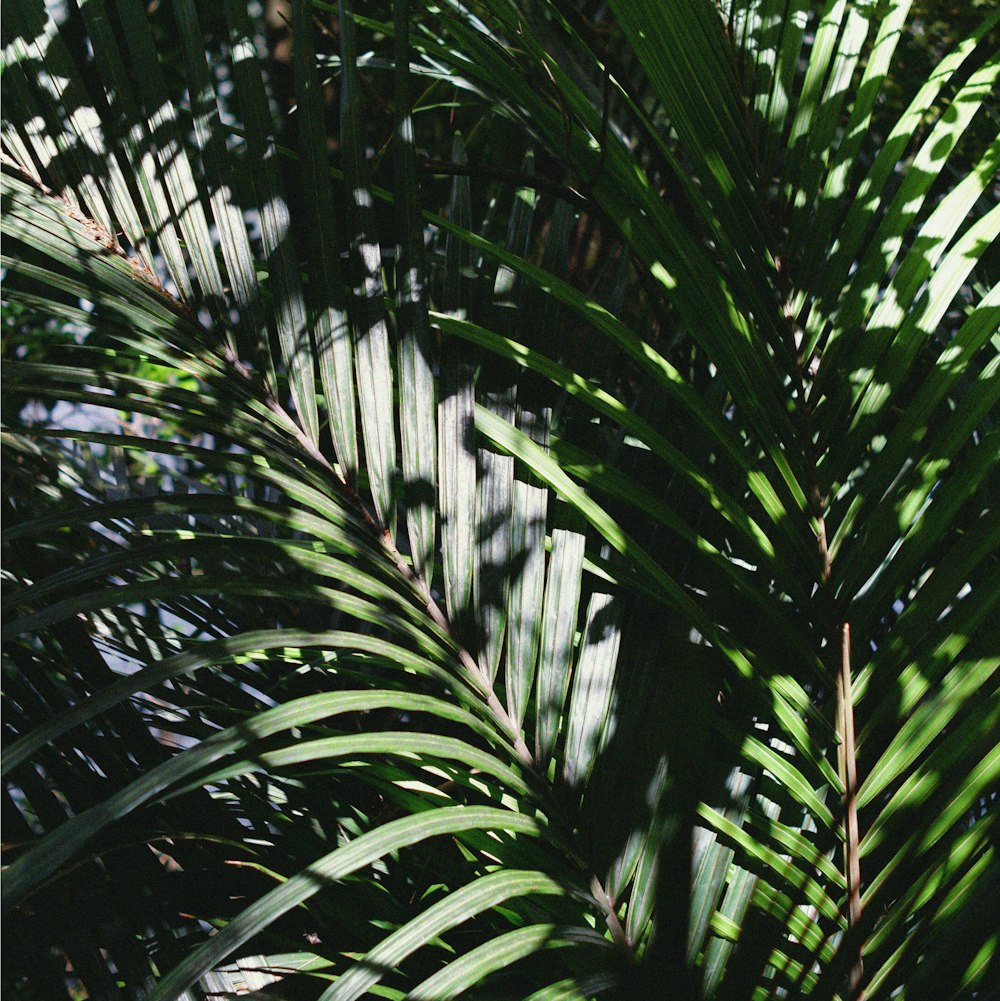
x=607, y=905
x=849, y=776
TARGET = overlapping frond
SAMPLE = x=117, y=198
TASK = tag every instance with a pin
x=550, y=558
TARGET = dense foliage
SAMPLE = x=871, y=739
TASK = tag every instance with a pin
x=500, y=500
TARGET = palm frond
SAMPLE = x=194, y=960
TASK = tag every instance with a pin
x=553, y=560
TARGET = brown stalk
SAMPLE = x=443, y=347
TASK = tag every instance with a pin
x=849, y=777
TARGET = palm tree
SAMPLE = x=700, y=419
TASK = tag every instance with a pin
x=546, y=549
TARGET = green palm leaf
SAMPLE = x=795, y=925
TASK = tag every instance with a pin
x=658, y=649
